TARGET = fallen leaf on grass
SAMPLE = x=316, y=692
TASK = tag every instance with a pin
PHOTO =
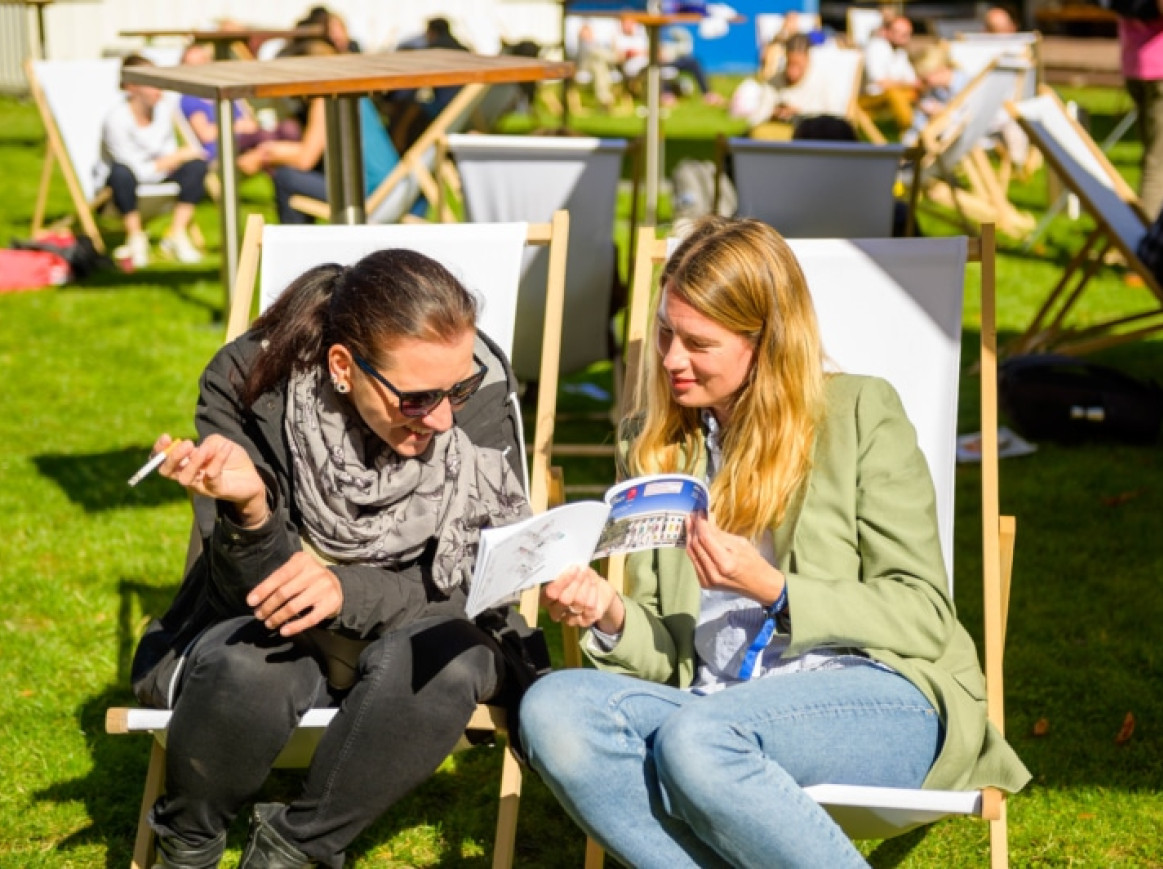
x=1086, y=816
x=1126, y=730
x=1122, y=497
x=1041, y=727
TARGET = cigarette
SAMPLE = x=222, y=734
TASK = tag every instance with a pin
x=152, y=465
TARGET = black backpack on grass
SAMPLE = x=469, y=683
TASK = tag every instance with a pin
x=1060, y=398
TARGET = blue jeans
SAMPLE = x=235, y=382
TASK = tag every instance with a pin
x=661, y=777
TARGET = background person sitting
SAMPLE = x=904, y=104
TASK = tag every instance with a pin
x=1000, y=19
x=799, y=90
x=939, y=81
x=139, y=146
x=890, y=82
x=297, y=167
x=248, y=134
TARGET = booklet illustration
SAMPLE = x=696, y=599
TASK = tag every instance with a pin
x=641, y=513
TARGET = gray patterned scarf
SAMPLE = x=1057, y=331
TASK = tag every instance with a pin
x=361, y=501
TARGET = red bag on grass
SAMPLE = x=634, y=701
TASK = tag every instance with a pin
x=31, y=270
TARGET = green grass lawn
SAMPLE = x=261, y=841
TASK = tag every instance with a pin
x=89, y=375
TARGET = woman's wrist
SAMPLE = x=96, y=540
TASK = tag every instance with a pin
x=614, y=618
x=254, y=512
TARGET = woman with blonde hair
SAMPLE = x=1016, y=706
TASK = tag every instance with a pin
x=805, y=635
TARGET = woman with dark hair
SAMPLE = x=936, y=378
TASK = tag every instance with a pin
x=804, y=635
x=340, y=504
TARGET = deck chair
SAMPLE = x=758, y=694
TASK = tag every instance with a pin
x=953, y=143
x=912, y=289
x=810, y=189
x=488, y=260
x=1120, y=222
x=414, y=174
x=528, y=178
x=73, y=97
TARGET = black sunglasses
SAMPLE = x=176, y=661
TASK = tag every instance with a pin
x=422, y=402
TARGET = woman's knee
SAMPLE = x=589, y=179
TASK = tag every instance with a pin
x=560, y=715
x=246, y=658
x=692, y=751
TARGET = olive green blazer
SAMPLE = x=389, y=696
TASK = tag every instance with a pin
x=860, y=550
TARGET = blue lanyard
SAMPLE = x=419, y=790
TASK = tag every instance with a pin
x=763, y=638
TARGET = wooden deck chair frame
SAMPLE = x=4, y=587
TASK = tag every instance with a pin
x=986, y=199
x=413, y=162
x=1048, y=329
x=545, y=488
x=850, y=805
x=56, y=151
x=842, y=152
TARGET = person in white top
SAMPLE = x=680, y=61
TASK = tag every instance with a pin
x=889, y=79
x=138, y=146
x=799, y=90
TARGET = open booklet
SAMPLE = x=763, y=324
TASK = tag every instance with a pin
x=642, y=513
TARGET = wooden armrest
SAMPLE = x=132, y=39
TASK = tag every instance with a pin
x=310, y=206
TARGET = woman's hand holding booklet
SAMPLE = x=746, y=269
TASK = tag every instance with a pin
x=642, y=513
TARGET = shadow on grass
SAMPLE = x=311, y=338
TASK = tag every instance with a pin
x=98, y=481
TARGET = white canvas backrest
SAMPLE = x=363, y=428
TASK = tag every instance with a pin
x=979, y=111
x=973, y=55
x=841, y=69
x=529, y=178
x=1058, y=136
x=892, y=308
x=811, y=189
x=486, y=259
x=862, y=23
x=79, y=95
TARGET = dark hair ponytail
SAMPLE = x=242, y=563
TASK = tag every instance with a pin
x=368, y=307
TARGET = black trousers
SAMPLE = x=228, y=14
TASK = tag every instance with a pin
x=191, y=178
x=243, y=690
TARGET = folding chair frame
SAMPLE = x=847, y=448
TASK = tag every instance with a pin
x=986, y=199
x=1047, y=331
x=998, y=532
x=545, y=488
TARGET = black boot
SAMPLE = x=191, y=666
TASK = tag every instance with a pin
x=173, y=853
x=266, y=849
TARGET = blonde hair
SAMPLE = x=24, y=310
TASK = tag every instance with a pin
x=741, y=275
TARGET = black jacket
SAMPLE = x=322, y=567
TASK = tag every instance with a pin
x=226, y=561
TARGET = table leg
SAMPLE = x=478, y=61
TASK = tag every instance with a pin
x=40, y=31
x=653, y=126
x=344, y=160
x=228, y=206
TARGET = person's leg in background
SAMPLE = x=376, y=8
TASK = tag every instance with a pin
x=1148, y=97
x=289, y=182
x=191, y=179
x=123, y=184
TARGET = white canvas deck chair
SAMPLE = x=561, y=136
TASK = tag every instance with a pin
x=884, y=306
x=953, y=143
x=73, y=97
x=529, y=178
x=488, y=260
x=1120, y=222
x=811, y=189
x=415, y=174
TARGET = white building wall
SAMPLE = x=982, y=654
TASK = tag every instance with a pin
x=90, y=28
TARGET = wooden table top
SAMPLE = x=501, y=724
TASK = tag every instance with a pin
x=218, y=35
x=342, y=74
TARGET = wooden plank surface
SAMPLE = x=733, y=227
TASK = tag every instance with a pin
x=344, y=74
